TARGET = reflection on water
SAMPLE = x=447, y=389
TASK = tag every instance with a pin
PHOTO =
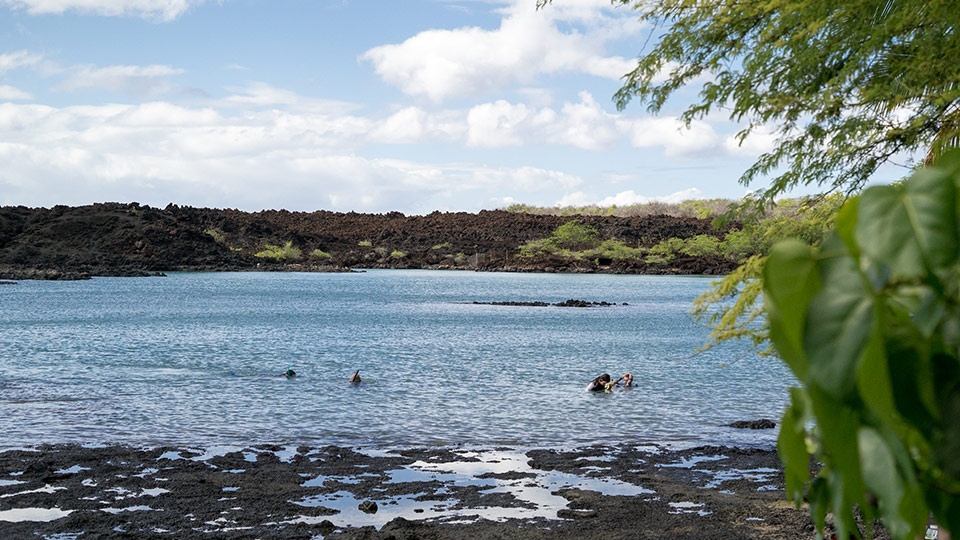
x=198, y=359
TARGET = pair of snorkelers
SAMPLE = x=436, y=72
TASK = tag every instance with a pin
x=604, y=384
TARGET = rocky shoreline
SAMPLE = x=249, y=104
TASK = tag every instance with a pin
x=615, y=491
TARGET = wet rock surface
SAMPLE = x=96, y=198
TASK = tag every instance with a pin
x=621, y=491
x=114, y=239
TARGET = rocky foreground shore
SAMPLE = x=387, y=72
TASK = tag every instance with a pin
x=620, y=491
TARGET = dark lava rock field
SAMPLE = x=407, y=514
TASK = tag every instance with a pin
x=117, y=239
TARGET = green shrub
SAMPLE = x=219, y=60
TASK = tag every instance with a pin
x=319, y=254
x=535, y=248
x=283, y=253
x=616, y=250
x=397, y=254
x=701, y=245
x=217, y=235
x=365, y=243
x=574, y=235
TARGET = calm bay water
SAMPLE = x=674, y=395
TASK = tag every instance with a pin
x=197, y=358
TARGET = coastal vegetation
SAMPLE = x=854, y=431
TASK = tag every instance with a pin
x=284, y=253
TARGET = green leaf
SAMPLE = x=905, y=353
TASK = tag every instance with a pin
x=912, y=228
x=792, y=445
x=873, y=381
x=947, y=451
x=790, y=280
x=839, y=322
x=912, y=384
x=883, y=479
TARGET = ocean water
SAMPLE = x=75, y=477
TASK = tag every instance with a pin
x=197, y=359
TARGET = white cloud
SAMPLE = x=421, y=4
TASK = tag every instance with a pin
x=501, y=123
x=440, y=64
x=498, y=124
x=18, y=59
x=759, y=141
x=677, y=140
x=404, y=126
x=161, y=10
x=159, y=152
x=627, y=198
x=9, y=93
x=139, y=81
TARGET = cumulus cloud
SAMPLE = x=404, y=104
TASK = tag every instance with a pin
x=627, y=198
x=501, y=123
x=159, y=152
x=18, y=59
x=9, y=93
x=469, y=61
x=677, y=140
x=759, y=141
x=161, y=10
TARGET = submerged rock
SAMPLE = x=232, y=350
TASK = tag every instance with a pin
x=762, y=423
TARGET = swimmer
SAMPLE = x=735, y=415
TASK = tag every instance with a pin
x=355, y=378
x=289, y=373
x=627, y=380
x=600, y=383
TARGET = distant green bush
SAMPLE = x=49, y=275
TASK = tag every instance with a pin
x=319, y=254
x=445, y=245
x=567, y=240
x=575, y=235
x=397, y=254
x=284, y=253
x=217, y=235
x=615, y=250
x=701, y=245
x=365, y=243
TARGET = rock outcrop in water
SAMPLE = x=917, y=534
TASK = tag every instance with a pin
x=114, y=239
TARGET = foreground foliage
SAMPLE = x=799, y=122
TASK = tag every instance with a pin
x=870, y=325
x=732, y=308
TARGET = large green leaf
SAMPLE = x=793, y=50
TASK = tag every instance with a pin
x=792, y=445
x=791, y=280
x=839, y=424
x=911, y=228
x=873, y=381
x=911, y=380
x=896, y=494
x=839, y=322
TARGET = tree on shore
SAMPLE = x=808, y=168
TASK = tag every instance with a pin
x=845, y=87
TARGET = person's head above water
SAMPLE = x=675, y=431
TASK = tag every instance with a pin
x=605, y=378
x=289, y=373
x=355, y=378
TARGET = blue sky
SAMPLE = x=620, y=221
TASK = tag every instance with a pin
x=367, y=106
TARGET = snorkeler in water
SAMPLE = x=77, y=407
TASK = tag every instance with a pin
x=599, y=384
x=355, y=378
